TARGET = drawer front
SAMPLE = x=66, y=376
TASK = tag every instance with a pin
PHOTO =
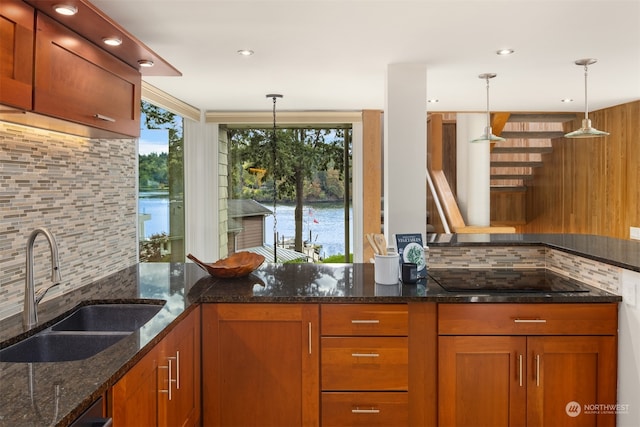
x=527, y=319
x=364, y=363
x=365, y=409
x=364, y=319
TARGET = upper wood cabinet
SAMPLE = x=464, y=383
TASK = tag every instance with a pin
x=16, y=53
x=79, y=82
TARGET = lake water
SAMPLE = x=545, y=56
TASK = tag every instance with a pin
x=325, y=221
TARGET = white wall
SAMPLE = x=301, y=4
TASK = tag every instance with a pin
x=629, y=350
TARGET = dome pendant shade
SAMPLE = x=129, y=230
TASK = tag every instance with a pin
x=586, y=131
x=488, y=133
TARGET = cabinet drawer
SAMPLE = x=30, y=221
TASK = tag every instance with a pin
x=364, y=363
x=365, y=409
x=364, y=319
x=527, y=319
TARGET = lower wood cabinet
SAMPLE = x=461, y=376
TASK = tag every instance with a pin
x=535, y=378
x=163, y=388
x=260, y=365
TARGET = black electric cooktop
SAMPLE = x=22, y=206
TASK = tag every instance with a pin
x=504, y=280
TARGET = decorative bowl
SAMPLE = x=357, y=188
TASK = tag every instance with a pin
x=239, y=264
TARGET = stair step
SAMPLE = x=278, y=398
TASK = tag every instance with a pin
x=541, y=118
x=519, y=150
x=511, y=176
x=515, y=164
x=508, y=188
x=531, y=134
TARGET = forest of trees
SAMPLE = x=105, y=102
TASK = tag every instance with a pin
x=153, y=171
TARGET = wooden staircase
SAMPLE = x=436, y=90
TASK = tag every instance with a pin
x=528, y=138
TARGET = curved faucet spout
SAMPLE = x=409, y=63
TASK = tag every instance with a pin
x=31, y=297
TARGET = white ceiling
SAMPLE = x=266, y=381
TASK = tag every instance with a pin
x=333, y=54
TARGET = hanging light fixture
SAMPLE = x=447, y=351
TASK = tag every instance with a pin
x=488, y=134
x=274, y=97
x=586, y=131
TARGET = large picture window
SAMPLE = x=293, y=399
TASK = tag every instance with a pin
x=161, y=186
x=292, y=198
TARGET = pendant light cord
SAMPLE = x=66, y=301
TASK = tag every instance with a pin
x=586, y=107
x=275, y=185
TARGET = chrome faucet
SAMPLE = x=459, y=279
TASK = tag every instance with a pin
x=31, y=296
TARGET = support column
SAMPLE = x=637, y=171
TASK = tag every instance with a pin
x=473, y=172
x=201, y=189
x=405, y=148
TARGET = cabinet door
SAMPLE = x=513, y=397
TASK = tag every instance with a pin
x=482, y=381
x=260, y=365
x=134, y=396
x=79, y=82
x=567, y=373
x=181, y=360
x=16, y=53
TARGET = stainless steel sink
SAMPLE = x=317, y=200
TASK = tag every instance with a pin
x=59, y=347
x=84, y=333
x=108, y=317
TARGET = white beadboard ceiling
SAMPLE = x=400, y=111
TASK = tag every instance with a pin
x=333, y=54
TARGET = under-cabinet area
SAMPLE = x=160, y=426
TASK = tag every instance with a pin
x=526, y=364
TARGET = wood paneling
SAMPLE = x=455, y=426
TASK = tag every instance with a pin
x=372, y=170
x=590, y=186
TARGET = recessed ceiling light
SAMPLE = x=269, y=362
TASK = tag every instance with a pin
x=145, y=63
x=65, y=9
x=505, y=52
x=245, y=52
x=112, y=41
x=567, y=100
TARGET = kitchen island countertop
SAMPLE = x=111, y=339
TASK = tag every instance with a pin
x=61, y=391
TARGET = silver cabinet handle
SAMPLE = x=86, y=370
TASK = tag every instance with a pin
x=309, y=337
x=365, y=411
x=177, y=369
x=537, y=370
x=529, y=320
x=356, y=321
x=520, y=369
x=105, y=118
x=170, y=380
x=365, y=355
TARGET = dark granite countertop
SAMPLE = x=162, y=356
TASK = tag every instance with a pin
x=618, y=252
x=61, y=391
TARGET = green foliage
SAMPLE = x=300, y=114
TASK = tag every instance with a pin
x=153, y=171
x=337, y=258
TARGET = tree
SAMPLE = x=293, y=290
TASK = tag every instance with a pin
x=300, y=153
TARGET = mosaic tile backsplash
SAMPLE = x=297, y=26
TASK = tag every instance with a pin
x=83, y=190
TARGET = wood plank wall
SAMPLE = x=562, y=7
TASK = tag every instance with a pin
x=590, y=186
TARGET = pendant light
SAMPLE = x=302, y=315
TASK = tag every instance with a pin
x=586, y=131
x=274, y=97
x=488, y=134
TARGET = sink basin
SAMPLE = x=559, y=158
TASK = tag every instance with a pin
x=108, y=317
x=82, y=334
x=59, y=347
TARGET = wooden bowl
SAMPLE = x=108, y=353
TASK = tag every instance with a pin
x=239, y=264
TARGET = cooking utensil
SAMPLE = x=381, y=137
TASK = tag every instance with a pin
x=381, y=243
x=372, y=243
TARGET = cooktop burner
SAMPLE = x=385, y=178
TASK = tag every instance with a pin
x=504, y=280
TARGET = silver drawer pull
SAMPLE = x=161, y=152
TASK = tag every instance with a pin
x=356, y=321
x=365, y=411
x=365, y=355
x=105, y=118
x=529, y=320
